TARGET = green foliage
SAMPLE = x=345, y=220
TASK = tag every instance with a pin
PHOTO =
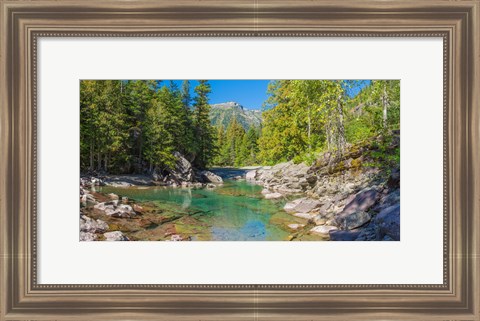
x=204, y=150
x=304, y=117
x=136, y=126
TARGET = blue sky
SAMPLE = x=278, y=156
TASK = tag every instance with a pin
x=249, y=93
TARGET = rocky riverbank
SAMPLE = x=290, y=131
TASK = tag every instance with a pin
x=109, y=217
x=182, y=175
x=349, y=198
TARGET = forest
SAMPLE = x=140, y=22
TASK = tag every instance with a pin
x=135, y=126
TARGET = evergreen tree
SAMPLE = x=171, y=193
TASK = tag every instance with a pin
x=204, y=133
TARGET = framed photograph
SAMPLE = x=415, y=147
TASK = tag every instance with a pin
x=240, y=160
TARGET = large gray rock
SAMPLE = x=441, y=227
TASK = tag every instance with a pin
x=104, y=206
x=388, y=223
x=323, y=230
x=87, y=237
x=394, y=179
x=273, y=196
x=362, y=202
x=92, y=226
x=114, y=209
x=209, y=177
x=183, y=169
x=338, y=235
x=302, y=205
x=250, y=176
x=349, y=221
x=115, y=236
x=121, y=211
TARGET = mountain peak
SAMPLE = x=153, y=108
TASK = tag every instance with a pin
x=222, y=114
x=228, y=105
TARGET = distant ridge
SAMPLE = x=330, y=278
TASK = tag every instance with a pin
x=222, y=114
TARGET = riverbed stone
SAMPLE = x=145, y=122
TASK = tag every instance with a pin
x=272, y=196
x=362, y=202
x=87, y=237
x=323, y=230
x=209, y=177
x=113, y=196
x=306, y=216
x=250, y=176
x=115, y=236
x=302, y=205
x=349, y=221
x=90, y=225
x=388, y=223
x=319, y=220
x=295, y=226
x=338, y=235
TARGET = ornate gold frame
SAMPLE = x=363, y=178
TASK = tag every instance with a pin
x=23, y=22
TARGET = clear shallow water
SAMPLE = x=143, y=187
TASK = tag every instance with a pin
x=236, y=210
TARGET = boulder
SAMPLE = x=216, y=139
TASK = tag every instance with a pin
x=394, y=179
x=122, y=211
x=250, y=176
x=90, y=225
x=103, y=207
x=97, y=181
x=306, y=216
x=266, y=191
x=337, y=235
x=362, y=202
x=349, y=221
x=113, y=196
x=302, y=205
x=87, y=237
x=319, y=220
x=323, y=230
x=272, y=196
x=295, y=226
x=209, y=177
x=176, y=238
x=115, y=236
x=137, y=208
x=183, y=169
x=388, y=223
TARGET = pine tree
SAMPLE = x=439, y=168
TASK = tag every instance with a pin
x=204, y=133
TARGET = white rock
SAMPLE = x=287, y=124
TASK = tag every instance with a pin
x=87, y=237
x=295, y=226
x=323, y=230
x=273, y=196
x=250, y=176
x=209, y=177
x=304, y=215
x=302, y=205
x=113, y=196
x=115, y=236
x=91, y=226
x=266, y=191
x=176, y=238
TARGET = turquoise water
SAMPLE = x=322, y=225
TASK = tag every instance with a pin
x=235, y=211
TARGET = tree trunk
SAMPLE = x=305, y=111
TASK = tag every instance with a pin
x=106, y=163
x=99, y=160
x=91, y=156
